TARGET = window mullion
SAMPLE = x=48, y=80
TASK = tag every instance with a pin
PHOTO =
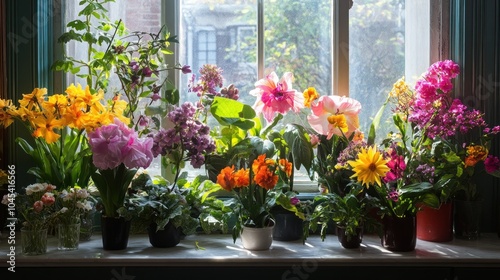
x=260, y=39
x=340, y=45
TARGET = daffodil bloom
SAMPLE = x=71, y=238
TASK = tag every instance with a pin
x=369, y=167
x=335, y=115
x=276, y=95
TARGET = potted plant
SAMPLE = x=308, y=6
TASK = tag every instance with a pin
x=161, y=208
x=250, y=184
x=350, y=214
x=447, y=141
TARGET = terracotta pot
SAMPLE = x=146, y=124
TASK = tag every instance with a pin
x=435, y=225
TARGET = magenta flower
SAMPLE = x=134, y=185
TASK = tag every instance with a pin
x=492, y=164
x=294, y=200
x=397, y=167
x=335, y=114
x=276, y=96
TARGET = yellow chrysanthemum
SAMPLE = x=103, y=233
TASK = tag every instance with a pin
x=369, y=167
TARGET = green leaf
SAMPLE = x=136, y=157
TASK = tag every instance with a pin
x=77, y=24
x=299, y=143
x=232, y=112
x=375, y=123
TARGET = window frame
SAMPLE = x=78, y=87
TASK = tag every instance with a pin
x=433, y=16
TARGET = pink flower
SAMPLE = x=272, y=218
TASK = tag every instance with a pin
x=335, y=114
x=116, y=143
x=138, y=153
x=48, y=199
x=38, y=206
x=314, y=139
x=276, y=96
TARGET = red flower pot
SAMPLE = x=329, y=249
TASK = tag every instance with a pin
x=435, y=225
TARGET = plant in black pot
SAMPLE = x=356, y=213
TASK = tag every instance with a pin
x=162, y=210
x=350, y=214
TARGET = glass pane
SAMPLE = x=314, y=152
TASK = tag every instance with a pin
x=376, y=54
x=221, y=25
x=298, y=36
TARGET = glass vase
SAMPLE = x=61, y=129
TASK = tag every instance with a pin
x=34, y=242
x=68, y=236
x=87, y=225
x=467, y=219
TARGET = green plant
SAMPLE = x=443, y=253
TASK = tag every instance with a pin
x=351, y=212
x=156, y=201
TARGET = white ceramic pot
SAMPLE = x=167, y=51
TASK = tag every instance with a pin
x=257, y=239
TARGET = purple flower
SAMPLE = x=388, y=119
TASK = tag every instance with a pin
x=146, y=72
x=183, y=133
x=155, y=96
x=186, y=69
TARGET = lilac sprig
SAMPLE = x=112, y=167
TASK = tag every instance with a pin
x=184, y=134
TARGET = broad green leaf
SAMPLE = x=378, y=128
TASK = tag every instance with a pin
x=232, y=112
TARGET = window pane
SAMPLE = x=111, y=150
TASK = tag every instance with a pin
x=221, y=34
x=298, y=36
x=297, y=39
x=376, y=54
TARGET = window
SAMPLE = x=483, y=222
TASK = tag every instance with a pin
x=206, y=48
x=317, y=40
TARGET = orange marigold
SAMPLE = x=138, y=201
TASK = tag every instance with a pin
x=286, y=167
x=242, y=178
x=226, y=178
x=266, y=178
x=475, y=154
